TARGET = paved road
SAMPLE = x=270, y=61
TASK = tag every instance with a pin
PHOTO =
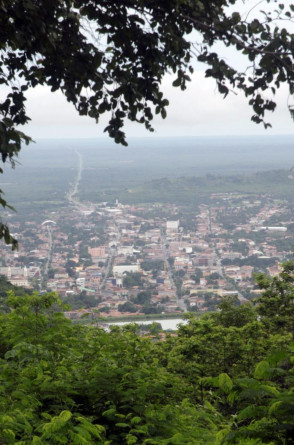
x=108, y=267
x=50, y=252
x=220, y=269
x=74, y=189
x=180, y=302
x=112, y=254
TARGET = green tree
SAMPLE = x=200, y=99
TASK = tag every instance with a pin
x=275, y=305
x=51, y=273
x=65, y=383
x=226, y=378
x=263, y=404
x=197, y=275
x=143, y=297
x=127, y=307
x=152, y=265
x=5, y=287
x=132, y=279
x=233, y=314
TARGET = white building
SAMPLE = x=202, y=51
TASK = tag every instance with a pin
x=80, y=282
x=275, y=229
x=123, y=268
x=125, y=250
x=172, y=225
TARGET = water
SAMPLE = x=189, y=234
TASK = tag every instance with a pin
x=171, y=324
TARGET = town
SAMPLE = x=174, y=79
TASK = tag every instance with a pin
x=115, y=259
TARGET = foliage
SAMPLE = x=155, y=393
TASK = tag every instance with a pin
x=152, y=265
x=82, y=300
x=6, y=286
x=233, y=314
x=197, y=275
x=149, y=308
x=142, y=297
x=132, y=279
x=276, y=303
x=226, y=378
x=63, y=383
x=127, y=307
x=195, y=190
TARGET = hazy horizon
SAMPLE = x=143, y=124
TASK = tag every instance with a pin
x=49, y=166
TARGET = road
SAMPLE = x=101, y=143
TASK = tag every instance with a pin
x=112, y=253
x=72, y=192
x=180, y=302
x=220, y=269
x=50, y=252
x=74, y=189
x=108, y=267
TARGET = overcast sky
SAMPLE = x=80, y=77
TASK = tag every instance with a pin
x=198, y=111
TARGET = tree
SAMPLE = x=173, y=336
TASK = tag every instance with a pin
x=6, y=286
x=143, y=297
x=222, y=380
x=197, y=275
x=152, y=265
x=127, y=307
x=132, y=279
x=233, y=314
x=65, y=383
x=111, y=56
x=275, y=305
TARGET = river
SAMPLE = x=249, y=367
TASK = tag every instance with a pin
x=171, y=323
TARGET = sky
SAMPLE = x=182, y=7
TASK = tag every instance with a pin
x=198, y=111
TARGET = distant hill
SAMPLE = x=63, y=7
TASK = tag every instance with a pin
x=185, y=190
x=46, y=169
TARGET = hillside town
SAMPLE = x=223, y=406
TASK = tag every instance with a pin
x=151, y=259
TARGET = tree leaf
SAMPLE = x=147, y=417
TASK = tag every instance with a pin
x=261, y=370
x=225, y=383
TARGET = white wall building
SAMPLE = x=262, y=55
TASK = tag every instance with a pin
x=125, y=250
x=275, y=229
x=123, y=268
x=80, y=282
x=172, y=225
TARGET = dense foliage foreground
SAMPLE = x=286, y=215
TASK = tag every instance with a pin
x=227, y=378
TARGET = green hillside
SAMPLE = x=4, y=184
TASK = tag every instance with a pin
x=186, y=190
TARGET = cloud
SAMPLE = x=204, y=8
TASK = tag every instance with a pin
x=199, y=110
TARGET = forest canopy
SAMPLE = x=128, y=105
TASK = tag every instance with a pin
x=225, y=378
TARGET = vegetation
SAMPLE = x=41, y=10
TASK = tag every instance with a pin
x=154, y=265
x=82, y=300
x=142, y=297
x=227, y=378
x=6, y=286
x=132, y=279
x=127, y=307
x=131, y=185
x=186, y=190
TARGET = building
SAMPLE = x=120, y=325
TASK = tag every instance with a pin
x=172, y=225
x=123, y=268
